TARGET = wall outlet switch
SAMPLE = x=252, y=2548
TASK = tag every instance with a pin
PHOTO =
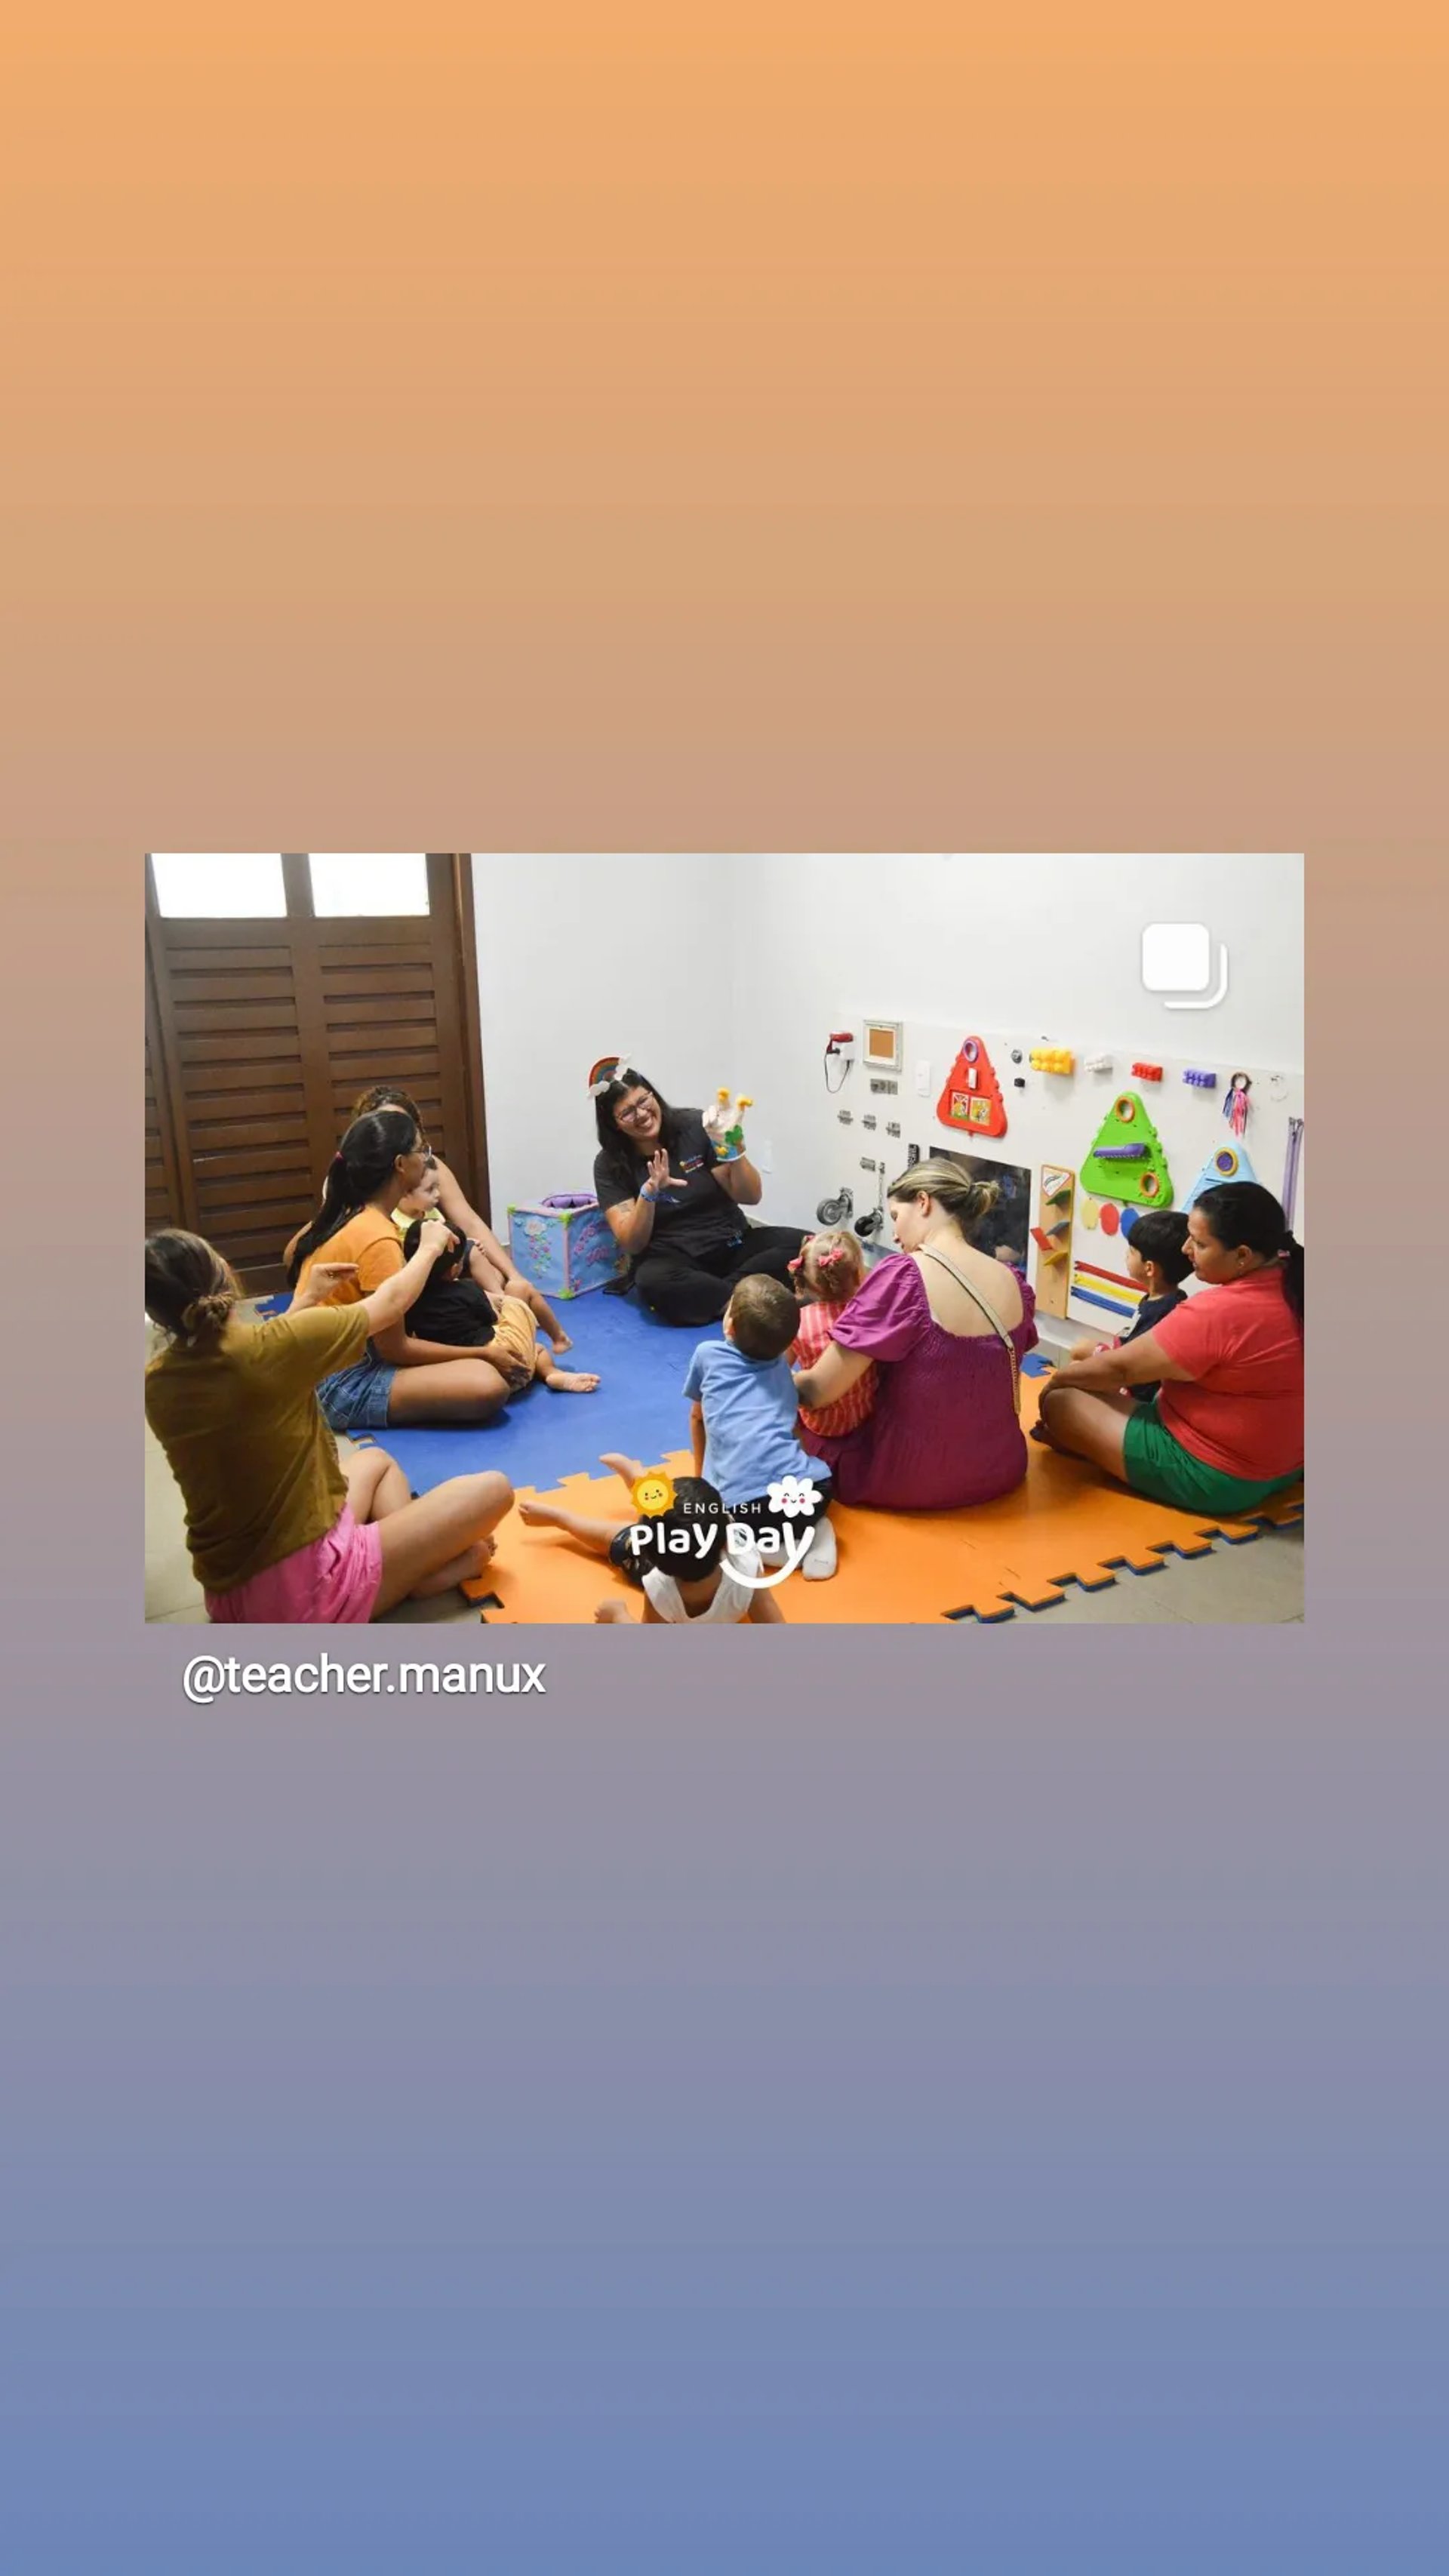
x=923, y=1081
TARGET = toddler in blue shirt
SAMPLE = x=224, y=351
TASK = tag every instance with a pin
x=745, y=1426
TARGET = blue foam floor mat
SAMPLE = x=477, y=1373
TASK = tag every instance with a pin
x=543, y=1437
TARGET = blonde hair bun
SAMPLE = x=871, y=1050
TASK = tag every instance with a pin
x=965, y=1200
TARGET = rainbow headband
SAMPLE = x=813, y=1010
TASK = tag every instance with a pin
x=605, y=1074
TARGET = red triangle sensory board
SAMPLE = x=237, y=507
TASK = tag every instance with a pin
x=972, y=1098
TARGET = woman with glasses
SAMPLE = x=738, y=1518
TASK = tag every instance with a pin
x=674, y=1206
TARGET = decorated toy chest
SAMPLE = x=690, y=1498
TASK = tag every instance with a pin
x=564, y=1245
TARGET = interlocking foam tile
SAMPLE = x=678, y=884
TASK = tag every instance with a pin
x=1065, y=1524
x=540, y=1575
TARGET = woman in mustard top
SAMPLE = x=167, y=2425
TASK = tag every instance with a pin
x=280, y=1531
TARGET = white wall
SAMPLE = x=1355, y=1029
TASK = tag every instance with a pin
x=735, y=970
x=580, y=956
x=1050, y=945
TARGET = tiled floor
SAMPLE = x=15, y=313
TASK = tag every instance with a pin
x=1257, y=1585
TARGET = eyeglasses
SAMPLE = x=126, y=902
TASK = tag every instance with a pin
x=635, y=1110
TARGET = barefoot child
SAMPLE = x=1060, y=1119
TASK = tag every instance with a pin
x=830, y=1269
x=681, y=1558
x=456, y=1309
x=744, y=1425
x=280, y=1532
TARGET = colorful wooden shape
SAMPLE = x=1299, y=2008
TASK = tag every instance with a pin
x=1127, y=1160
x=971, y=1103
x=1093, y=1285
x=1229, y=1163
x=1053, y=1235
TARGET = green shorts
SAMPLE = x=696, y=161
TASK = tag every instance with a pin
x=1159, y=1466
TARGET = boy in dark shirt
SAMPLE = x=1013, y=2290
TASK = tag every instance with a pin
x=1157, y=1259
x=454, y=1308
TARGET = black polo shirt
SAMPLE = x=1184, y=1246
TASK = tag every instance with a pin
x=700, y=1216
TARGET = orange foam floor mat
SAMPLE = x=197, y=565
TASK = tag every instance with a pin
x=1066, y=1524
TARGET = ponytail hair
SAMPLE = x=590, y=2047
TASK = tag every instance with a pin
x=190, y=1291
x=832, y=1266
x=964, y=1200
x=1244, y=1213
x=362, y=1165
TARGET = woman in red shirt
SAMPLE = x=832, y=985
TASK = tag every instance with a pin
x=1226, y=1429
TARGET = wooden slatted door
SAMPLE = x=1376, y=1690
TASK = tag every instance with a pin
x=266, y=1030
x=163, y=1192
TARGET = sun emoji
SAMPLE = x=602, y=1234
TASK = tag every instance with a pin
x=654, y=1494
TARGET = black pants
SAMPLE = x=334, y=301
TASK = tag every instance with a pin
x=696, y=1287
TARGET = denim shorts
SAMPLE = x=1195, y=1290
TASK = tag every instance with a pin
x=356, y=1399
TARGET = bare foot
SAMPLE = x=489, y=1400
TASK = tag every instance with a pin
x=613, y=1614
x=537, y=1515
x=464, y=1568
x=629, y=1470
x=569, y=1382
x=561, y=1342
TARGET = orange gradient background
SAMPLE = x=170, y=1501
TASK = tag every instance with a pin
x=610, y=426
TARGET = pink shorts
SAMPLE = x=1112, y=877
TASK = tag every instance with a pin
x=334, y=1583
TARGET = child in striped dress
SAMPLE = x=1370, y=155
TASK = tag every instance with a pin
x=830, y=1269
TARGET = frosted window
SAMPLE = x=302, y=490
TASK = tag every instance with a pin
x=369, y=881
x=220, y=885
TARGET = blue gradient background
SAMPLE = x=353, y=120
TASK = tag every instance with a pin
x=877, y=2134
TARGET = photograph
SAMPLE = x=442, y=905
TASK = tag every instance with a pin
x=603, y=1254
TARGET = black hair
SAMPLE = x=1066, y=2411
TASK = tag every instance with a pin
x=622, y=1157
x=1160, y=1235
x=361, y=1166
x=696, y=1508
x=1243, y=1212
x=448, y=1264
x=190, y=1290
x=764, y=1317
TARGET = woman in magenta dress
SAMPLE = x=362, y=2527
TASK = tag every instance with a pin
x=948, y=1328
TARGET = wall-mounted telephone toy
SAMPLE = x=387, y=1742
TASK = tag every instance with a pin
x=839, y=1052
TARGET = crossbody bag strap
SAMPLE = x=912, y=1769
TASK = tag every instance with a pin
x=993, y=1320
